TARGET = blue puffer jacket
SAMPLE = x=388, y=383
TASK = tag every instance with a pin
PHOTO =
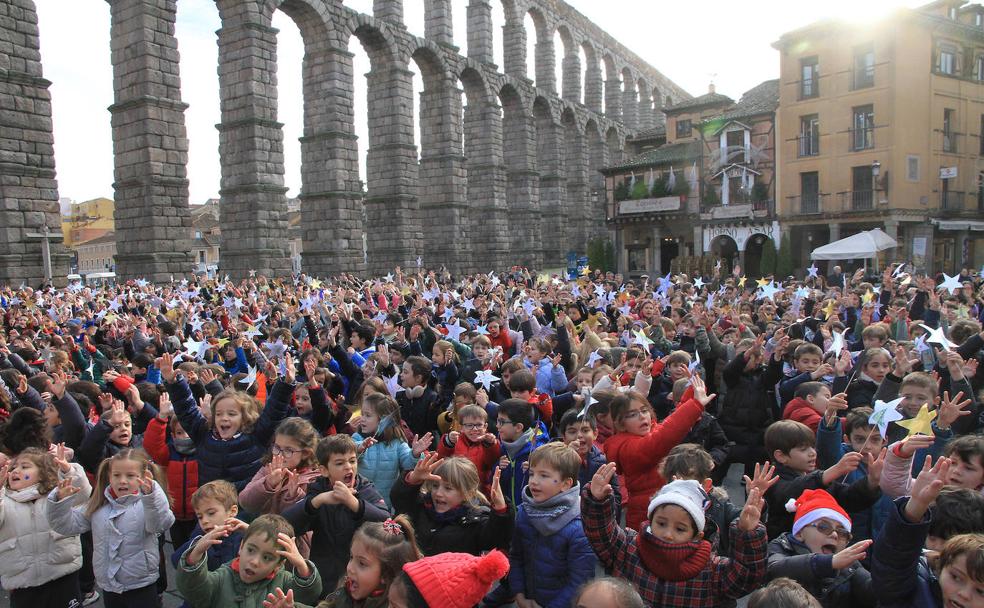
x=513, y=478
x=550, y=556
x=237, y=459
x=898, y=569
x=381, y=463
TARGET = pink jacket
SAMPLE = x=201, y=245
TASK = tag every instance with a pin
x=258, y=499
x=895, y=478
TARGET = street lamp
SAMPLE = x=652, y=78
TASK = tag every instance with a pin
x=875, y=168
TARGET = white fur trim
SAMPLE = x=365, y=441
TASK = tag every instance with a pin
x=817, y=514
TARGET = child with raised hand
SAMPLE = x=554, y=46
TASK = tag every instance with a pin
x=816, y=553
x=899, y=571
x=473, y=441
x=382, y=446
x=452, y=514
x=550, y=557
x=127, y=511
x=113, y=432
x=229, y=444
x=791, y=445
x=639, y=444
x=267, y=549
x=966, y=453
x=37, y=566
x=335, y=506
x=580, y=431
x=669, y=562
x=379, y=551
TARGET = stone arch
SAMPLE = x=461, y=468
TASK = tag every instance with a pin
x=514, y=38
x=544, y=55
x=522, y=187
x=486, y=174
x=391, y=204
x=613, y=88
x=442, y=173
x=647, y=119
x=630, y=99
x=553, y=181
x=575, y=165
x=597, y=158
x=658, y=117
x=438, y=26
x=594, y=86
x=614, y=143
x=571, y=65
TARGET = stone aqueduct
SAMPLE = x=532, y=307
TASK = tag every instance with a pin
x=522, y=188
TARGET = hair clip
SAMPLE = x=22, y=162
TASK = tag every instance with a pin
x=392, y=527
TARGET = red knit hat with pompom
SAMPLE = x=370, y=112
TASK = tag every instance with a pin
x=456, y=580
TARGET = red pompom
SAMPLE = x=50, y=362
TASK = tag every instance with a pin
x=492, y=566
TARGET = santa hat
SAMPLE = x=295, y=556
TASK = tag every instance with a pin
x=813, y=505
x=456, y=580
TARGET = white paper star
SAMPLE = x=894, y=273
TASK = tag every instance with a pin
x=482, y=330
x=389, y=277
x=455, y=330
x=699, y=282
x=769, y=291
x=251, y=332
x=920, y=344
x=837, y=344
x=898, y=270
x=812, y=271
x=250, y=377
x=936, y=336
x=485, y=377
x=393, y=384
x=642, y=339
x=884, y=413
x=420, y=261
x=277, y=349
x=469, y=304
x=802, y=292
x=529, y=307
x=141, y=283
x=952, y=283
x=195, y=348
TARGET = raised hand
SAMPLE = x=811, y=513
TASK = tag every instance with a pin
x=847, y=464
x=57, y=384
x=4, y=471
x=210, y=539
x=763, y=478
x=60, y=459
x=421, y=444
x=913, y=443
x=601, y=482
x=290, y=374
x=118, y=413
x=837, y=403
x=147, y=482
x=854, y=553
x=926, y=487
x=875, y=466
x=367, y=443
x=165, y=363
x=951, y=409
x=65, y=488
x=206, y=375
x=279, y=599
x=310, y=368
x=700, y=391
x=277, y=472
x=424, y=470
x=752, y=511
x=289, y=552
x=496, y=499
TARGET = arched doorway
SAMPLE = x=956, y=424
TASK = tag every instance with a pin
x=669, y=249
x=753, y=255
x=725, y=249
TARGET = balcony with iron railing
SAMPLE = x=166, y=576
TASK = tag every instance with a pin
x=862, y=139
x=807, y=204
x=858, y=200
x=808, y=145
x=952, y=201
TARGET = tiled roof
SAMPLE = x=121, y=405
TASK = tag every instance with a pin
x=708, y=99
x=683, y=151
x=655, y=132
x=761, y=99
x=109, y=237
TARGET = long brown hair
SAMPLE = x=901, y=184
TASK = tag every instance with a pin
x=47, y=469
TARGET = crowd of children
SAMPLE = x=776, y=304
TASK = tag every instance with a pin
x=424, y=440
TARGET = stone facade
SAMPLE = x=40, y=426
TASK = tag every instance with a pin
x=512, y=177
x=28, y=190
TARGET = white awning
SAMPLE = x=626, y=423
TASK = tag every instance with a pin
x=959, y=225
x=863, y=245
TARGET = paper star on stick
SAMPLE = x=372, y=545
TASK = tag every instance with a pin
x=936, y=336
x=952, y=283
x=884, y=414
x=741, y=281
x=482, y=330
x=812, y=271
x=837, y=344
x=455, y=330
x=921, y=424
x=698, y=282
x=642, y=339
x=249, y=378
x=485, y=377
x=593, y=358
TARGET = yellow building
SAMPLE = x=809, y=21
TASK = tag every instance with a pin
x=88, y=220
x=882, y=125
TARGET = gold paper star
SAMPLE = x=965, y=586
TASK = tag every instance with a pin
x=586, y=271
x=829, y=309
x=223, y=342
x=921, y=424
x=867, y=297
x=741, y=281
x=315, y=284
x=762, y=282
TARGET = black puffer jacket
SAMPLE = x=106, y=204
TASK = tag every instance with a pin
x=846, y=588
x=476, y=531
x=748, y=408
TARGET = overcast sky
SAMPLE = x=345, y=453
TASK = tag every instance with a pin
x=692, y=43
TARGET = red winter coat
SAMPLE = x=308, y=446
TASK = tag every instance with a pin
x=483, y=456
x=182, y=471
x=799, y=410
x=638, y=457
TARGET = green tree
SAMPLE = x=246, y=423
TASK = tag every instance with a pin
x=659, y=188
x=640, y=190
x=760, y=192
x=784, y=262
x=710, y=195
x=767, y=265
x=609, y=255
x=621, y=191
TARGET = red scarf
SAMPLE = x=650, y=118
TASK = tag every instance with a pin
x=672, y=562
x=235, y=568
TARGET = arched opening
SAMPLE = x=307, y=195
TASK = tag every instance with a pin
x=658, y=117
x=532, y=37
x=498, y=35
x=290, y=105
x=614, y=143
x=594, y=85
x=630, y=100
x=725, y=249
x=596, y=160
x=574, y=161
x=613, y=89
x=522, y=192
x=553, y=186
x=753, y=254
x=569, y=67
x=559, y=47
